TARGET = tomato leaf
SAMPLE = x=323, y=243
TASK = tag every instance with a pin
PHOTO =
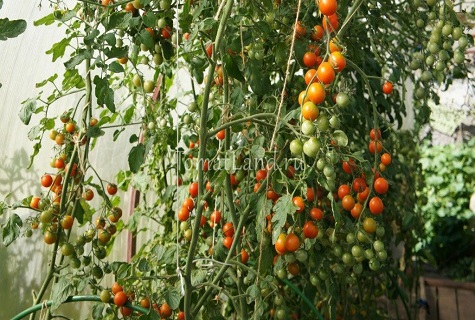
x=94, y=132
x=46, y=20
x=11, y=29
x=91, y=37
x=58, y=48
x=50, y=79
x=29, y=107
x=78, y=58
x=258, y=152
x=98, y=310
x=252, y=293
x=136, y=157
x=36, y=150
x=11, y=229
x=119, y=20
x=72, y=79
x=232, y=68
x=172, y=297
x=146, y=38
x=282, y=208
x=61, y=291
x=104, y=94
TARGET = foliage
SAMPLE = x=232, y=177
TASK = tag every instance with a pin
x=261, y=205
x=448, y=177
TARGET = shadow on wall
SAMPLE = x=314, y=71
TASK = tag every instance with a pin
x=16, y=179
x=24, y=263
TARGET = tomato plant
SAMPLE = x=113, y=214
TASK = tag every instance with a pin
x=252, y=178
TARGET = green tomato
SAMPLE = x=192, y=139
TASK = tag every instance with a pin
x=348, y=259
x=337, y=250
x=323, y=274
x=314, y=280
x=328, y=170
x=426, y=76
x=420, y=23
x=46, y=216
x=67, y=249
x=321, y=164
x=323, y=123
x=148, y=86
x=463, y=42
x=281, y=273
x=378, y=245
x=161, y=23
x=457, y=32
x=192, y=107
x=459, y=57
x=290, y=257
x=430, y=60
x=311, y=147
x=307, y=127
x=350, y=238
x=356, y=251
x=382, y=255
x=374, y=264
x=369, y=254
x=342, y=100
x=334, y=122
x=302, y=255
x=433, y=47
x=431, y=3
x=380, y=231
x=165, y=4
x=105, y=296
x=440, y=65
x=278, y=300
x=296, y=147
x=358, y=268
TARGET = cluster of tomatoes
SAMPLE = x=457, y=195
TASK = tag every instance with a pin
x=121, y=297
x=65, y=189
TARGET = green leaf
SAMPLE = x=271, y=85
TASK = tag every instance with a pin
x=116, y=67
x=282, y=208
x=146, y=38
x=89, y=39
x=36, y=150
x=78, y=58
x=98, y=310
x=61, y=291
x=252, y=292
x=11, y=29
x=11, y=229
x=136, y=157
x=104, y=94
x=172, y=297
x=3, y=207
x=258, y=152
x=46, y=20
x=59, y=48
x=143, y=265
x=1, y=4
x=167, y=49
x=149, y=19
x=50, y=79
x=232, y=68
x=29, y=107
x=94, y=132
x=72, y=79
x=109, y=38
x=79, y=214
x=119, y=20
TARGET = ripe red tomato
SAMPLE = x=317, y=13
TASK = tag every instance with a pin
x=183, y=214
x=327, y=7
x=387, y=87
x=280, y=244
x=359, y=185
x=343, y=190
x=330, y=22
x=310, y=230
x=348, y=202
x=375, y=134
x=228, y=229
x=381, y=185
x=88, y=194
x=349, y=166
x=221, y=134
x=193, y=189
x=316, y=214
x=292, y=242
x=386, y=159
x=228, y=242
x=309, y=59
x=376, y=205
x=111, y=188
x=120, y=298
x=326, y=73
x=310, y=194
x=46, y=180
x=116, y=287
x=261, y=175
x=215, y=217
x=298, y=201
x=244, y=256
